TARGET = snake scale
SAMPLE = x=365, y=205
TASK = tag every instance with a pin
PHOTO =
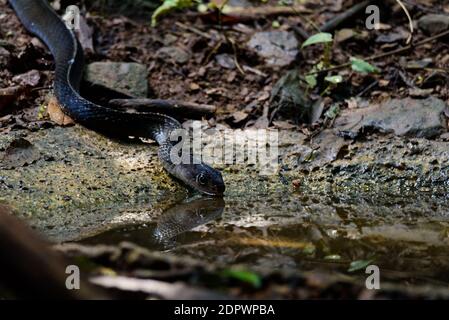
x=41, y=20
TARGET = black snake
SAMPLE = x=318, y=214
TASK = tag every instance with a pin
x=40, y=19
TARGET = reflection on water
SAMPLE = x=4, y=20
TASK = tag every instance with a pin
x=186, y=216
x=407, y=239
x=163, y=234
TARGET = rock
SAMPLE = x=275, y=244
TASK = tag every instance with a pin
x=278, y=48
x=177, y=54
x=125, y=77
x=403, y=117
x=434, y=23
x=28, y=79
x=392, y=37
x=76, y=182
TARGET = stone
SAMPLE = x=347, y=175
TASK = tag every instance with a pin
x=278, y=48
x=434, y=23
x=403, y=117
x=177, y=54
x=125, y=77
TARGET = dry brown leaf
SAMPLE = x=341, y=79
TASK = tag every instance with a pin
x=239, y=116
x=56, y=115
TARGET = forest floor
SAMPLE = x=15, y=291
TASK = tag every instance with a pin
x=363, y=147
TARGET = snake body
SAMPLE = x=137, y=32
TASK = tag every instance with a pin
x=40, y=19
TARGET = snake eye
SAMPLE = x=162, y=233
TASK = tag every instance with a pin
x=201, y=179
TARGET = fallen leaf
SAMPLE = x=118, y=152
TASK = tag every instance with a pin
x=283, y=125
x=239, y=116
x=56, y=114
x=29, y=79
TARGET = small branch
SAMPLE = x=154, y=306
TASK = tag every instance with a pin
x=164, y=106
x=410, y=37
x=333, y=23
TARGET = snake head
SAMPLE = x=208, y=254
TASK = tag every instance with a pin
x=202, y=177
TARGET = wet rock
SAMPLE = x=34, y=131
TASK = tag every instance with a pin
x=403, y=117
x=434, y=23
x=278, y=48
x=81, y=182
x=176, y=54
x=124, y=77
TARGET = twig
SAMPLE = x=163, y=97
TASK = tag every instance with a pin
x=386, y=54
x=369, y=87
x=301, y=32
x=170, y=291
x=166, y=106
x=194, y=30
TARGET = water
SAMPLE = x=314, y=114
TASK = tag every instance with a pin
x=407, y=237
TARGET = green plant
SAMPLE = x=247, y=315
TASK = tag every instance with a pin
x=357, y=65
x=170, y=5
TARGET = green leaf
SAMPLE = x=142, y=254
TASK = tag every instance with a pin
x=311, y=80
x=245, y=276
x=333, y=111
x=169, y=5
x=361, y=66
x=322, y=37
x=334, y=79
x=358, y=265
